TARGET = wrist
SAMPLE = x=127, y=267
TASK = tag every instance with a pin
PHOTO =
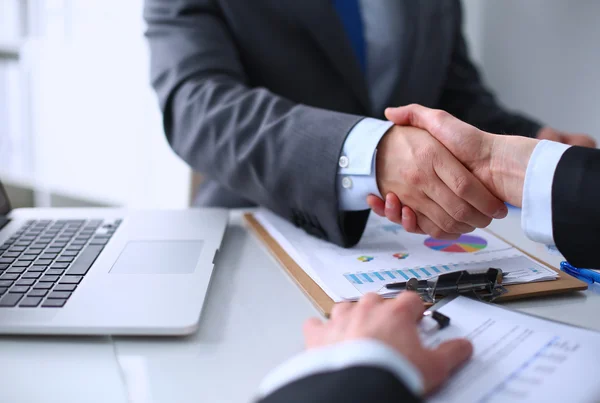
x=508, y=165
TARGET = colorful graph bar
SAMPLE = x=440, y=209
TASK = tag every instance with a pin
x=382, y=277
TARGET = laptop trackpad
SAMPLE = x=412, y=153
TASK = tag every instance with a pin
x=158, y=257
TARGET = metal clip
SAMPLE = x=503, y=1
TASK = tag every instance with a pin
x=482, y=285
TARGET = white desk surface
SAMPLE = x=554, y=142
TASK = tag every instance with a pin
x=252, y=321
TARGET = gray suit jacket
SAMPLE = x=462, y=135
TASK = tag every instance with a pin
x=259, y=95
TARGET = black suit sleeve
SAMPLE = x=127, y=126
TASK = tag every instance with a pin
x=576, y=206
x=350, y=385
x=466, y=97
x=264, y=147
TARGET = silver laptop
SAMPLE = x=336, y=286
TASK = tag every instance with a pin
x=105, y=271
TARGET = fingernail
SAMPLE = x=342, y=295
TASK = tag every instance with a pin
x=389, y=204
x=404, y=216
x=501, y=213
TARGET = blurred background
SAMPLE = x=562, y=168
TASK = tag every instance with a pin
x=80, y=124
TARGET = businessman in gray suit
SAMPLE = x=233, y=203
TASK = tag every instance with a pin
x=280, y=103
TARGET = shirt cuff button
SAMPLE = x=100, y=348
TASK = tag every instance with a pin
x=346, y=183
x=344, y=161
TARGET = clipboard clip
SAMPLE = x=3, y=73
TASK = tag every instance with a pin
x=483, y=285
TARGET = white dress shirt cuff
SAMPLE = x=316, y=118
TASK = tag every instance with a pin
x=356, y=172
x=536, y=217
x=365, y=352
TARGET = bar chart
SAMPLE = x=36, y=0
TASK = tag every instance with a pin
x=373, y=281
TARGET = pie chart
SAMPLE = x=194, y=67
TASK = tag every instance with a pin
x=464, y=244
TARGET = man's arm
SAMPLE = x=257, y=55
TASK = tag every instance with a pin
x=270, y=150
x=466, y=97
x=371, y=348
x=576, y=206
x=284, y=155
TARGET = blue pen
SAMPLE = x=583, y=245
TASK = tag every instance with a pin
x=584, y=274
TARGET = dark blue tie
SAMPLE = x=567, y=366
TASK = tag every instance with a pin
x=349, y=12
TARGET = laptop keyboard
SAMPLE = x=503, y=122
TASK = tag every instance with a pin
x=42, y=264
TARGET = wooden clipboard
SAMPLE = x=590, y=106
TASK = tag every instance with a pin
x=324, y=303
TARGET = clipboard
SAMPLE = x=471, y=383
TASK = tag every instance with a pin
x=324, y=303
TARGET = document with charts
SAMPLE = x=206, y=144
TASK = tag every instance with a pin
x=517, y=357
x=388, y=254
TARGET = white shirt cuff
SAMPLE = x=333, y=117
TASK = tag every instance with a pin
x=356, y=172
x=339, y=356
x=536, y=217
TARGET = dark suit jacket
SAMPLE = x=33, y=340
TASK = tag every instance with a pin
x=351, y=385
x=260, y=95
x=576, y=206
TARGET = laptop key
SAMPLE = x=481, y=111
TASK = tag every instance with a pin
x=60, y=265
x=10, y=300
x=37, y=269
x=43, y=286
x=9, y=276
x=65, y=287
x=50, y=256
x=11, y=254
x=6, y=260
x=27, y=282
x=31, y=275
x=51, y=279
x=16, y=270
x=84, y=261
x=19, y=289
x=44, y=261
x=71, y=279
x=6, y=283
x=52, y=303
x=70, y=253
x=37, y=293
x=65, y=259
x=30, y=302
x=3, y=266
x=55, y=272
x=3, y=290
x=59, y=295
x=21, y=263
x=28, y=257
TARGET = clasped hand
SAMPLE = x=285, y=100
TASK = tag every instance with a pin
x=447, y=198
x=443, y=177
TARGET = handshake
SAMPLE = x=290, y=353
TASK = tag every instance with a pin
x=443, y=177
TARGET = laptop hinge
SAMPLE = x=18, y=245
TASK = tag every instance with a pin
x=3, y=221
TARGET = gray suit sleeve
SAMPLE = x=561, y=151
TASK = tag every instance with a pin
x=466, y=97
x=264, y=147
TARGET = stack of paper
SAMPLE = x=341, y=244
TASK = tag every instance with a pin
x=388, y=254
x=517, y=357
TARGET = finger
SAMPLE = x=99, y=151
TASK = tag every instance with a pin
x=457, y=209
x=312, y=330
x=438, y=215
x=410, y=304
x=370, y=300
x=340, y=310
x=376, y=204
x=445, y=359
x=393, y=208
x=409, y=221
x=433, y=230
x=467, y=187
x=418, y=116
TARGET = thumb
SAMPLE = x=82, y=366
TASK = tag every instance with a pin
x=445, y=360
x=313, y=328
x=399, y=116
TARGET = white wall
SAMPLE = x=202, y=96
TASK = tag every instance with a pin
x=96, y=131
x=541, y=57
